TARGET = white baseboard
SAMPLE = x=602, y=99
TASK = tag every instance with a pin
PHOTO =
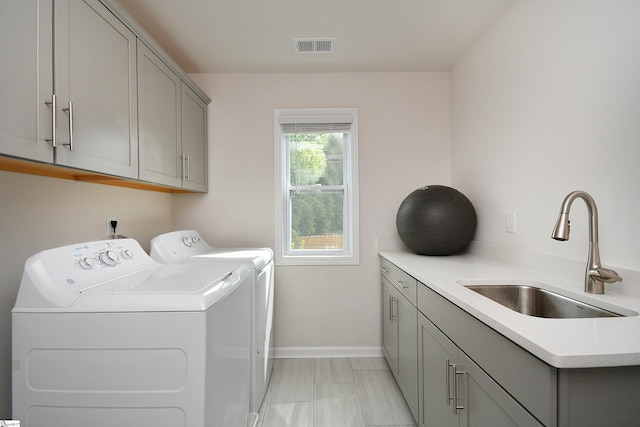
x=325, y=352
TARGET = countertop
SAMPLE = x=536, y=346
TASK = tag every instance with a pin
x=562, y=343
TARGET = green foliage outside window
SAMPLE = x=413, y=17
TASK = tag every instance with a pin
x=316, y=163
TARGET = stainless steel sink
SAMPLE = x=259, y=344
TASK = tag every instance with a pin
x=538, y=302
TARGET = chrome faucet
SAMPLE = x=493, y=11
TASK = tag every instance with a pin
x=596, y=276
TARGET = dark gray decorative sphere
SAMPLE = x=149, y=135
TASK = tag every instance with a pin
x=436, y=220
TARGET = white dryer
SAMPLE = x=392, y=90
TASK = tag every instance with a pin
x=103, y=335
x=187, y=246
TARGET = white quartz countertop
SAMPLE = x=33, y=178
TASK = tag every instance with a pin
x=562, y=343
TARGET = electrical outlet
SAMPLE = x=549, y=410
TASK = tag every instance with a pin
x=511, y=222
x=110, y=231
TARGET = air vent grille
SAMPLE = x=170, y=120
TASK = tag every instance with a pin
x=323, y=45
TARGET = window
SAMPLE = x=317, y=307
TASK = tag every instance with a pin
x=316, y=186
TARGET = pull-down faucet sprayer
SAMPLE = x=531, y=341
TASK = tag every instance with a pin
x=596, y=276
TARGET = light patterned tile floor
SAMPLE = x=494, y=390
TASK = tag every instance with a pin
x=355, y=392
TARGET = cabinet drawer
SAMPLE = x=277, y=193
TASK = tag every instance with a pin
x=403, y=282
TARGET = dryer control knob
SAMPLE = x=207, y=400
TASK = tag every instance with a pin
x=127, y=254
x=109, y=258
x=86, y=263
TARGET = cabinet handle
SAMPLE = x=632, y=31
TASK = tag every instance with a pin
x=390, y=308
x=448, y=381
x=186, y=168
x=456, y=405
x=384, y=270
x=394, y=316
x=70, y=111
x=401, y=284
x=54, y=106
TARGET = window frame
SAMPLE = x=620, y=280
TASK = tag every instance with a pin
x=350, y=254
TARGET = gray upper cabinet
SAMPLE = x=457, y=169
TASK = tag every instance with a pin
x=194, y=140
x=96, y=88
x=159, y=120
x=70, y=97
x=172, y=126
x=26, y=56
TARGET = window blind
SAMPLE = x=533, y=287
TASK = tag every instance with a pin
x=295, y=128
x=315, y=123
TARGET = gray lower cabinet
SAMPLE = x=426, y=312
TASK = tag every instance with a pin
x=470, y=375
x=492, y=368
x=454, y=391
x=400, y=342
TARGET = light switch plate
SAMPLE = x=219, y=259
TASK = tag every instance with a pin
x=511, y=222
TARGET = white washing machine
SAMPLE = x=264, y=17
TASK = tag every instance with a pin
x=187, y=246
x=103, y=335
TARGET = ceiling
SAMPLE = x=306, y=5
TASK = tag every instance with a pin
x=256, y=36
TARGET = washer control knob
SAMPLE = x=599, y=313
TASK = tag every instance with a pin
x=127, y=254
x=188, y=241
x=109, y=258
x=86, y=263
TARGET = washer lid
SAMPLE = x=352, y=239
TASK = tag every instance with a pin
x=117, y=275
x=186, y=246
x=177, y=288
x=166, y=288
x=166, y=279
x=255, y=258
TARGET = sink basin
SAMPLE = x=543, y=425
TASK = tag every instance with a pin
x=538, y=302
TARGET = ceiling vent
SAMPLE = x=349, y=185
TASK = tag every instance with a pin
x=323, y=45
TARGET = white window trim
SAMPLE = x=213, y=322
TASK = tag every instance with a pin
x=322, y=115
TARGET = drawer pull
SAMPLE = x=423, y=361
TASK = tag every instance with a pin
x=401, y=284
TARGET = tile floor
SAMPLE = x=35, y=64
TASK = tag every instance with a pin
x=355, y=392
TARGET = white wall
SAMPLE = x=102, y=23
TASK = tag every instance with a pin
x=403, y=144
x=39, y=213
x=546, y=103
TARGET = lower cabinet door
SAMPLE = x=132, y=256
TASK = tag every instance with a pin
x=437, y=356
x=408, y=353
x=486, y=403
x=454, y=391
x=389, y=325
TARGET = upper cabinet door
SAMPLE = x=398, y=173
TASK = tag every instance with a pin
x=158, y=120
x=194, y=140
x=96, y=88
x=26, y=78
